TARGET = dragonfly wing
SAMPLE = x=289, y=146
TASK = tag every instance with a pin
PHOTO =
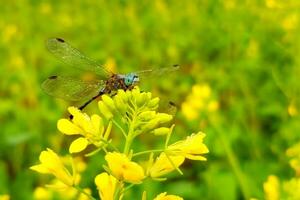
x=74, y=57
x=70, y=88
x=157, y=72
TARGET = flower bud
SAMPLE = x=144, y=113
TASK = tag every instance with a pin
x=161, y=131
x=108, y=102
x=153, y=103
x=151, y=124
x=141, y=99
x=105, y=110
x=146, y=115
x=163, y=117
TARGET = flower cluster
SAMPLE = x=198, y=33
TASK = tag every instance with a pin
x=276, y=189
x=199, y=101
x=132, y=113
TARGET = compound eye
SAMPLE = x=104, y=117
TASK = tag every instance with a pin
x=127, y=81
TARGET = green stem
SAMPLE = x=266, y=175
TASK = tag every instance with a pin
x=83, y=192
x=110, y=144
x=148, y=151
x=234, y=163
x=127, y=144
x=130, y=135
x=128, y=187
x=119, y=127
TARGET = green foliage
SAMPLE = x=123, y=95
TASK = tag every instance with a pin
x=247, y=51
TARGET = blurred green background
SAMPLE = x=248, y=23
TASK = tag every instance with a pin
x=246, y=51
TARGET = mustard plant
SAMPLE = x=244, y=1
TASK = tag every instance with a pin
x=132, y=114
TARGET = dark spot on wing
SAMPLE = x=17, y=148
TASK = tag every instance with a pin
x=60, y=40
x=176, y=65
x=52, y=77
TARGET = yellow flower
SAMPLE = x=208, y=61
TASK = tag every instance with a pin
x=200, y=100
x=90, y=128
x=191, y=148
x=188, y=111
x=292, y=188
x=164, y=165
x=124, y=169
x=106, y=185
x=4, y=197
x=294, y=153
x=271, y=188
x=292, y=109
x=9, y=32
x=41, y=193
x=202, y=91
x=290, y=22
x=52, y=164
x=164, y=196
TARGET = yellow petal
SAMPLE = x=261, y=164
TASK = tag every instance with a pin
x=195, y=157
x=106, y=185
x=133, y=173
x=164, y=196
x=67, y=127
x=162, y=165
x=42, y=193
x=124, y=169
x=78, y=145
x=97, y=123
x=52, y=164
x=40, y=168
x=50, y=159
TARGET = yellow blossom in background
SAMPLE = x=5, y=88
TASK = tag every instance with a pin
x=124, y=169
x=106, y=185
x=91, y=129
x=41, y=193
x=292, y=188
x=52, y=164
x=4, y=197
x=45, y=8
x=189, y=112
x=229, y=4
x=273, y=4
x=272, y=188
x=292, y=109
x=191, y=148
x=165, y=164
x=294, y=153
x=199, y=101
x=290, y=22
x=164, y=196
x=110, y=64
x=17, y=61
x=9, y=32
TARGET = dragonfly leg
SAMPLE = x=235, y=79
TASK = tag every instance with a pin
x=88, y=102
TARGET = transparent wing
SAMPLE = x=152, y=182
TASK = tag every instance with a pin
x=70, y=88
x=157, y=72
x=73, y=57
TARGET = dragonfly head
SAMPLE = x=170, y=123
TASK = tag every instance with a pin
x=131, y=79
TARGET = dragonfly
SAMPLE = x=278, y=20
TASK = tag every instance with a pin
x=74, y=89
